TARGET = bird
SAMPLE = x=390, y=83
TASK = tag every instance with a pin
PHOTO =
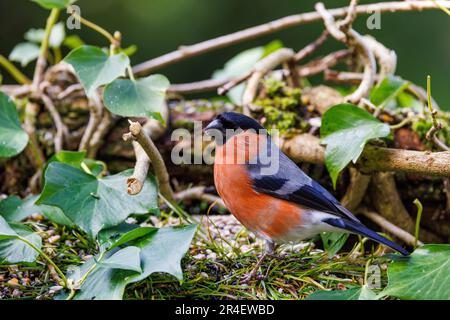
x=269, y=194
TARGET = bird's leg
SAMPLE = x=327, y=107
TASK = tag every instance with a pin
x=268, y=250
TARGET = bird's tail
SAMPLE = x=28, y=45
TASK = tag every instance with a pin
x=359, y=228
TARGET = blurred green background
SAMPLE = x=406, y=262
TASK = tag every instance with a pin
x=420, y=39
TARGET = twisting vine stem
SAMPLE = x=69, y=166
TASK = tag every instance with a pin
x=13, y=71
x=43, y=51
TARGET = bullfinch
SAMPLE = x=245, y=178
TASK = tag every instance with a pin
x=269, y=194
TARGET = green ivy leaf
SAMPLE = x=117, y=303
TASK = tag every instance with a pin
x=345, y=130
x=12, y=249
x=333, y=242
x=127, y=258
x=73, y=41
x=14, y=209
x=358, y=293
x=161, y=251
x=13, y=139
x=24, y=53
x=77, y=159
x=387, y=90
x=122, y=234
x=54, y=4
x=94, y=204
x=95, y=68
x=424, y=275
x=241, y=63
x=6, y=232
x=140, y=98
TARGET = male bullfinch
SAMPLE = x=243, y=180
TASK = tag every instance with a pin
x=268, y=193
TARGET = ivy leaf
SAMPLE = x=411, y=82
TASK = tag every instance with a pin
x=122, y=234
x=14, y=209
x=127, y=258
x=57, y=35
x=73, y=41
x=6, y=232
x=140, y=98
x=56, y=215
x=358, y=293
x=13, y=139
x=387, y=90
x=94, y=204
x=95, y=68
x=241, y=63
x=24, y=53
x=161, y=251
x=345, y=131
x=77, y=159
x=424, y=275
x=13, y=250
x=333, y=242
x=54, y=4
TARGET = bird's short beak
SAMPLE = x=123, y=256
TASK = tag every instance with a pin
x=215, y=124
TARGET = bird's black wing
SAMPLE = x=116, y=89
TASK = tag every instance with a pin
x=290, y=183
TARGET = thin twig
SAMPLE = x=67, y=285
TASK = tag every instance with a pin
x=437, y=126
x=322, y=64
x=185, y=52
x=97, y=139
x=313, y=46
x=406, y=237
x=387, y=59
x=355, y=78
x=42, y=58
x=200, y=194
x=197, y=86
x=259, y=70
x=33, y=150
x=95, y=116
x=61, y=128
x=222, y=90
x=352, y=39
x=69, y=90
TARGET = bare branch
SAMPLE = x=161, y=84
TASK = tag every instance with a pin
x=185, y=52
x=387, y=59
x=310, y=48
x=137, y=134
x=198, y=86
x=154, y=129
x=259, y=70
x=102, y=129
x=353, y=40
x=95, y=116
x=61, y=129
x=322, y=64
x=199, y=193
x=69, y=90
x=391, y=228
x=307, y=148
x=356, y=190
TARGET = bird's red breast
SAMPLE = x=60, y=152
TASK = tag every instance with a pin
x=261, y=213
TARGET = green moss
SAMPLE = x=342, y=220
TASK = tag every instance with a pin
x=280, y=107
x=422, y=126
